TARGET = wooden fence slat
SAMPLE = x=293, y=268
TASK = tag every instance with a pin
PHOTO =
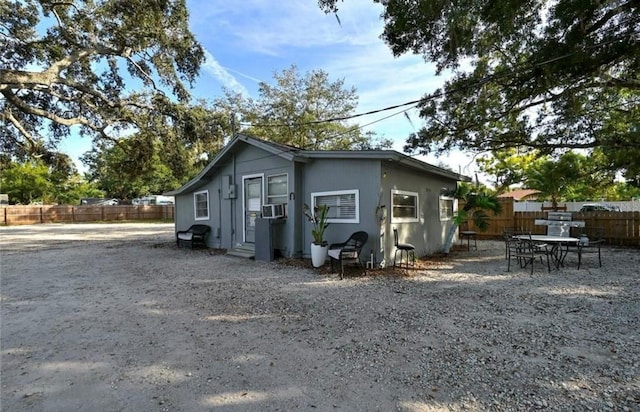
x=28, y=215
x=620, y=228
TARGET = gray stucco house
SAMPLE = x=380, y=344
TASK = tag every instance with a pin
x=375, y=191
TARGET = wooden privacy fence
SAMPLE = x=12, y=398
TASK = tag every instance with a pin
x=27, y=215
x=620, y=228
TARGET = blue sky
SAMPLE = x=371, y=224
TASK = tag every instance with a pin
x=247, y=42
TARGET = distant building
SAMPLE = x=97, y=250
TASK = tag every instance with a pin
x=4, y=199
x=153, y=200
x=98, y=201
x=521, y=194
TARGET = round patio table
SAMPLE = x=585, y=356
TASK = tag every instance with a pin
x=556, y=243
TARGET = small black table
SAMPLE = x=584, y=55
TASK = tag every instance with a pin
x=469, y=234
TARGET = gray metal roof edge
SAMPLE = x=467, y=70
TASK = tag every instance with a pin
x=390, y=155
x=286, y=152
x=273, y=148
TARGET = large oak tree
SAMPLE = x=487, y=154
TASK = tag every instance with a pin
x=307, y=111
x=545, y=75
x=109, y=67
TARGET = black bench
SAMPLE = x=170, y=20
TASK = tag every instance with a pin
x=195, y=235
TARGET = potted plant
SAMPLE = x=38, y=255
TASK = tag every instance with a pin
x=319, y=246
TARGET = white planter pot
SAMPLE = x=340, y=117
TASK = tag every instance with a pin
x=318, y=254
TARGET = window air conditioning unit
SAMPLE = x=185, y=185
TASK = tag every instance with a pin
x=272, y=211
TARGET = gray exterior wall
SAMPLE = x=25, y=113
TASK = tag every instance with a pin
x=327, y=175
x=226, y=215
x=185, y=211
x=372, y=177
x=251, y=161
x=428, y=234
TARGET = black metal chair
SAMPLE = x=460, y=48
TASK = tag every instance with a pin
x=195, y=235
x=507, y=234
x=348, y=252
x=404, y=249
x=590, y=241
x=525, y=251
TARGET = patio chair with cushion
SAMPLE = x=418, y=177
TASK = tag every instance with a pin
x=195, y=235
x=349, y=251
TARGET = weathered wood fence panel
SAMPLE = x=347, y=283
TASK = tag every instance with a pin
x=27, y=215
x=620, y=228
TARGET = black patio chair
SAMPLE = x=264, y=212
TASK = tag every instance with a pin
x=404, y=249
x=525, y=251
x=507, y=234
x=348, y=252
x=590, y=241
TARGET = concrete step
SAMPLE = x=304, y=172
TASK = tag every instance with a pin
x=247, y=251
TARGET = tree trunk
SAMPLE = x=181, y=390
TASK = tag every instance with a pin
x=448, y=241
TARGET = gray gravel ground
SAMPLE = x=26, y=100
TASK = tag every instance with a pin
x=116, y=318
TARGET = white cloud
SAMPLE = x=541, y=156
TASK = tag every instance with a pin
x=214, y=68
x=261, y=37
x=273, y=28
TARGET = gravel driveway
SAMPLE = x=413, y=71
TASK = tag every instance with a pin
x=116, y=318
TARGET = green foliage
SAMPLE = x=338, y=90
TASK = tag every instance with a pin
x=621, y=191
x=119, y=171
x=292, y=111
x=477, y=201
x=27, y=183
x=554, y=179
x=78, y=67
x=545, y=76
x=33, y=181
x=159, y=158
x=570, y=177
x=318, y=218
x=508, y=167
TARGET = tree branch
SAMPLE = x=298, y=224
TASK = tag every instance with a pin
x=24, y=132
x=16, y=101
x=608, y=16
x=622, y=83
x=145, y=74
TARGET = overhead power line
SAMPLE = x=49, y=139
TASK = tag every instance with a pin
x=414, y=103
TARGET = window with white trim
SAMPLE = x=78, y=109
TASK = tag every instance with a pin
x=277, y=188
x=344, y=205
x=201, y=205
x=404, y=206
x=446, y=206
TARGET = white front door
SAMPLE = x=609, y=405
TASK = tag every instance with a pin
x=252, y=206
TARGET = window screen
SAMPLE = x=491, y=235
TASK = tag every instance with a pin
x=201, y=205
x=343, y=205
x=277, y=188
x=446, y=208
x=404, y=206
